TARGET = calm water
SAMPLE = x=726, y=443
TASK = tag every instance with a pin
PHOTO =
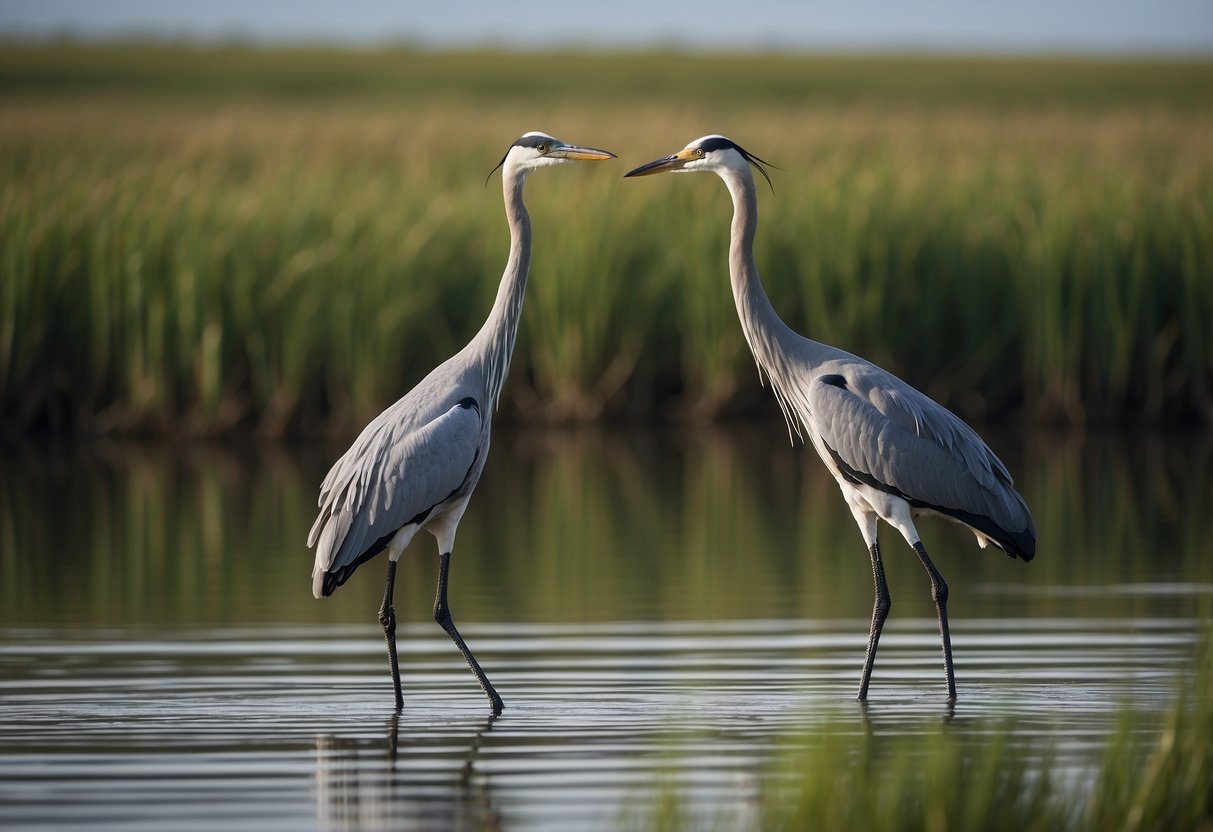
x=657, y=609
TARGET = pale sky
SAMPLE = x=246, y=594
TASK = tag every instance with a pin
x=1089, y=26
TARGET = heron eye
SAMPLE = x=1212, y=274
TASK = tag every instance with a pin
x=542, y=148
x=699, y=152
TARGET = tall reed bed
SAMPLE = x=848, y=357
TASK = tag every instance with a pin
x=292, y=265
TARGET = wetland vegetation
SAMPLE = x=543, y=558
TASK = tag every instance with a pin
x=207, y=240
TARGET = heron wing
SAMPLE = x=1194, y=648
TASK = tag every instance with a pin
x=885, y=433
x=394, y=474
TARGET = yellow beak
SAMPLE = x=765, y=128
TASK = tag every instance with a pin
x=581, y=154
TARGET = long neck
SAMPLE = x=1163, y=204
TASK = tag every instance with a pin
x=764, y=330
x=495, y=341
x=781, y=353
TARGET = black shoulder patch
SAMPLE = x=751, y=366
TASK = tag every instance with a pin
x=834, y=380
x=469, y=402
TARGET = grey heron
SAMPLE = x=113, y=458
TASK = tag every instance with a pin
x=416, y=464
x=895, y=453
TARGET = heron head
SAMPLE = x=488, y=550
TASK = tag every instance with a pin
x=714, y=154
x=537, y=150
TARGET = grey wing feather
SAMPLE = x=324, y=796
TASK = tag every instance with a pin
x=393, y=473
x=883, y=428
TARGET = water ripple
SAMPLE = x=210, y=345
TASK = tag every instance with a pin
x=292, y=728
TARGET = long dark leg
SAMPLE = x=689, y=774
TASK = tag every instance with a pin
x=442, y=614
x=880, y=611
x=939, y=591
x=387, y=617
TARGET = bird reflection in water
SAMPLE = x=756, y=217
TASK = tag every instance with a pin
x=430, y=783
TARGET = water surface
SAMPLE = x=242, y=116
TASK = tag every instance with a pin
x=658, y=610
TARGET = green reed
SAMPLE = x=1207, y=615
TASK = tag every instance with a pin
x=1154, y=777
x=184, y=252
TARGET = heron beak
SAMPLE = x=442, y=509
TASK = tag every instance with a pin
x=581, y=154
x=662, y=165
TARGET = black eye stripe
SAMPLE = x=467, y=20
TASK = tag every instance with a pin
x=720, y=143
x=533, y=141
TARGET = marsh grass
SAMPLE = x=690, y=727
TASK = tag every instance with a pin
x=1166, y=782
x=937, y=782
x=1149, y=777
x=250, y=246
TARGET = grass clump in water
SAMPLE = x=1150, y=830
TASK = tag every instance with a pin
x=1166, y=783
x=934, y=783
x=988, y=779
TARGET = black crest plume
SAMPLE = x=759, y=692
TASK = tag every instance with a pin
x=761, y=165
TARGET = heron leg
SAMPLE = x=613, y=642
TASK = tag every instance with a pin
x=939, y=591
x=387, y=617
x=880, y=611
x=442, y=614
